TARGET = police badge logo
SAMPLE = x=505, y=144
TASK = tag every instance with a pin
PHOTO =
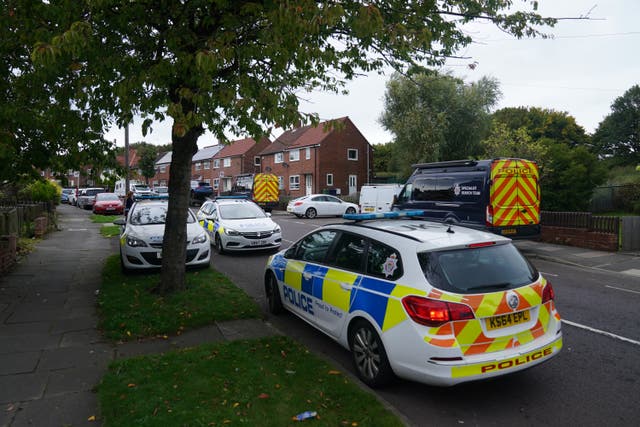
x=513, y=301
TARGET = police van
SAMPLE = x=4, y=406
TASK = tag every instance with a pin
x=426, y=301
x=498, y=195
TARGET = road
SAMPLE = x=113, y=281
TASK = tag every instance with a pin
x=595, y=381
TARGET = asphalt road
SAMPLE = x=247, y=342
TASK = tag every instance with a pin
x=595, y=381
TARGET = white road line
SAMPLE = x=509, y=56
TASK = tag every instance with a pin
x=598, y=331
x=549, y=274
x=622, y=289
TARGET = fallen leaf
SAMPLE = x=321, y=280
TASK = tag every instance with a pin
x=130, y=385
x=263, y=396
x=235, y=405
x=91, y=418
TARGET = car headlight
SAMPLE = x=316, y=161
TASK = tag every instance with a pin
x=134, y=242
x=276, y=229
x=199, y=239
x=231, y=232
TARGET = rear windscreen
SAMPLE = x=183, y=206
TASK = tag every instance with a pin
x=477, y=270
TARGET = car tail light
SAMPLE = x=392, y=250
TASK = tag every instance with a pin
x=297, y=204
x=430, y=312
x=548, y=294
x=480, y=245
x=489, y=218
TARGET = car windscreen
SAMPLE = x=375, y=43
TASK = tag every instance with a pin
x=241, y=211
x=153, y=214
x=141, y=188
x=477, y=270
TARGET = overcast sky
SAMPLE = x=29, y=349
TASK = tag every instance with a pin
x=582, y=70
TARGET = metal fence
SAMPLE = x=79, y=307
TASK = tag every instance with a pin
x=602, y=224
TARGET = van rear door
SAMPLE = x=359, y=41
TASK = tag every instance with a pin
x=514, y=194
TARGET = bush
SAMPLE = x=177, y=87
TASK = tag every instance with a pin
x=41, y=191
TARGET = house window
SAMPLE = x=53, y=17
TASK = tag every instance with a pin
x=352, y=154
x=226, y=162
x=216, y=163
x=294, y=155
x=281, y=183
x=330, y=179
x=198, y=166
x=163, y=169
x=208, y=181
x=278, y=158
x=155, y=182
x=216, y=182
x=206, y=164
x=256, y=161
x=307, y=153
x=294, y=182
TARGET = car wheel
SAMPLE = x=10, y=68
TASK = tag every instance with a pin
x=273, y=294
x=219, y=247
x=350, y=210
x=311, y=213
x=369, y=356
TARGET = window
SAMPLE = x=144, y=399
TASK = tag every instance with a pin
x=198, y=166
x=278, y=157
x=256, y=161
x=216, y=182
x=216, y=163
x=206, y=164
x=226, y=162
x=281, y=182
x=294, y=155
x=349, y=252
x=208, y=181
x=163, y=169
x=330, y=179
x=314, y=247
x=307, y=153
x=384, y=262
x=352, y=154
x=294, y=182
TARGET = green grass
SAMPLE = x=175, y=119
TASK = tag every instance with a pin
x=129, y=310
x=104, y=219
x=262, y=382
x=110, y=230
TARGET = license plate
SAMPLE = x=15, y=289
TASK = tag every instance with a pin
x=506, y=320
x=369, y=209
x=509, y=231
x=111, y=209
x=258, y=242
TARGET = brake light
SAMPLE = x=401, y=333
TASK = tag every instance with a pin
x=431, y=312
x=489, y=216
x=297, y=204
x=548, y=294
x=480, y=245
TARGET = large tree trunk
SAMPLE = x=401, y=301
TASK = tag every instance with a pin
x=174, y=249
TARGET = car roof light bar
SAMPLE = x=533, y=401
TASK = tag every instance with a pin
x=383, y=215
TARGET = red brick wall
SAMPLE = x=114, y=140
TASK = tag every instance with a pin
x=580, y=237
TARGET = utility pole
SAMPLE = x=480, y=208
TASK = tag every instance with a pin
x=126, y=160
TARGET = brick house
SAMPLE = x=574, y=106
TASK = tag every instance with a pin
x=237, y=158
x=310, y=160
x=162, y=170
x=202, y=162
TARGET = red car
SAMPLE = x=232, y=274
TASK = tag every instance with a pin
x=108, y=203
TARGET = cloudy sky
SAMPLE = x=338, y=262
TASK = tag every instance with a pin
x=582, y=70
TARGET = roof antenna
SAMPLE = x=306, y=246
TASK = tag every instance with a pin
x=449, y=222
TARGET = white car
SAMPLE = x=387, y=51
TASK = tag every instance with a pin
x=143, y=233
x=320, y=205
x=430, y=302
x=238, y=224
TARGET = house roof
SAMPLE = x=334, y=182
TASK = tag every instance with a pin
x=165, y=159
x=207, y=152
x=236, y=148
x=304, y=136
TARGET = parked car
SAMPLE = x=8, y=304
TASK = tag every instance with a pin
x=73, y=196
x=87, y=197
x=378, y=198
x=200, y=192
x=161, y=190
x=141, y=191
x=320, y=205
x=143, y=233
x=64, y=196
x=238, y=224
x=426, y=301
x=108, y=204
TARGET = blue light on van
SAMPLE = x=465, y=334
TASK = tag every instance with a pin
x=384, y=215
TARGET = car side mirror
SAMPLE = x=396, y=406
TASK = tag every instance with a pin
x=268, y=214
x=120, y=221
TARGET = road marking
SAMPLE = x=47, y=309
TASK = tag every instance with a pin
x=622, y=289
x=598, y=331
x=549, y=274
x=77, y=229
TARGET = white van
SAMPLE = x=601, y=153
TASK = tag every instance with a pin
x=121, y=190
x=376, y=198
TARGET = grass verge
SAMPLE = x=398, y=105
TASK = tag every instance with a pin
x=129, y=310
x=110, y=230
x=104, y=219
x=261, y=382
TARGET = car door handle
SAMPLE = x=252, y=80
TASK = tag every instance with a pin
x=306, y=276
x=346, y=286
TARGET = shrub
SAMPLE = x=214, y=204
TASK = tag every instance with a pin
x=41, y=191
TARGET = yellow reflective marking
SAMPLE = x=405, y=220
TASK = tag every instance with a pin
x=470, y=333
x=333, y=293
x=293, y=274
x=489, y=305
x=395, y=313
x=525, y=337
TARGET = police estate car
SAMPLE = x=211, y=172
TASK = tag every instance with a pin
x=235, y=223
x=431, y=302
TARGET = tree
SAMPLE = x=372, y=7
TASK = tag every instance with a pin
x=505, y=142
x=618, y=135
x=147, y=162
x=235, y=67
x=437, y=117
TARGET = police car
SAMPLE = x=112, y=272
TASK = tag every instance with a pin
x=235, y=223
x=431, y=302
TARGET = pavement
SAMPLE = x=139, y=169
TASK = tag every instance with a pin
x=52, y=355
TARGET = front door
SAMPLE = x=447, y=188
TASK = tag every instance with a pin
x=308, y=182
x=353, y=184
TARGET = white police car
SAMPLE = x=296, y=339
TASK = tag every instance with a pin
x=235, y=223
x=435, y=303
x=143, y=233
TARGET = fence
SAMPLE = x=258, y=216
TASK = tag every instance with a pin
x=586, y=220
x=616, y=198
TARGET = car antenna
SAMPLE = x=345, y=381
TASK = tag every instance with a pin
x=449, y=222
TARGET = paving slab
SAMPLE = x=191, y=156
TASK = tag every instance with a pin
x=19, y=363
x=20, y=388
x=65, y=410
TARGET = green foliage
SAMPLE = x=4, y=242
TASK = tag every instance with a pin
x=147, y=161
x=505, y=142
x=437, y=117
x=618, y=135
x=41, y=191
